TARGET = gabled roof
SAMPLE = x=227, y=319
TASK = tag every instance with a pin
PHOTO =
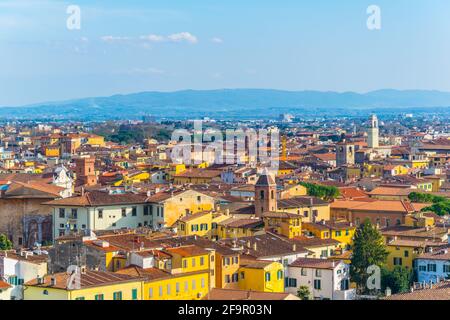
x=315, y=263
x=299, y=202
x=99, y=198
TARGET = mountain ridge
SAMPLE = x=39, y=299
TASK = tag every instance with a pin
x=234, y=101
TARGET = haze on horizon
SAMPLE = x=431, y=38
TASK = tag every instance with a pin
x=135, y=46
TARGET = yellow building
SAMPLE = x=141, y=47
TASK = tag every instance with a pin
x=197, y=176
x=309, y=208
x=264, y=276
x=227, y=266
x=238, y=228
x=291, y=191
x=130, y=179
x=203, y=224
x=286, y=168
x=283, y=223
x=373, y=170
x=52, y=151
x=343, y=232
x=95, y=140
x=402, y=253
x=92, y=285
x=162, y=285
x=171, y=206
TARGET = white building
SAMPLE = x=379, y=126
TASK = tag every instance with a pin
x=326, y=279
x=98, y=210
x=19, y=268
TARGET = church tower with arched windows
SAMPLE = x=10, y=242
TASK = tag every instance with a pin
x=265, y=195
x=373, y=132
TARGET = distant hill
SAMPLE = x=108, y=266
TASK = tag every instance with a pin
x=228, y=103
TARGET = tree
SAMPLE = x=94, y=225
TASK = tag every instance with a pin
x=5, y=243
x=319, y=191
x=440, y=205
x=440, y=208
x=398, y=280
x=368, y=250
x=303, y=293
x=425, y=198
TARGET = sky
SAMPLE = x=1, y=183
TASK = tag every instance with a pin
x=167, y=45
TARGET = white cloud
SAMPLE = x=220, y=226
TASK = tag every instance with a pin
x=183, y=36
x=217, y=40
x=153, y=38
x=176, y=37
x=114, y=39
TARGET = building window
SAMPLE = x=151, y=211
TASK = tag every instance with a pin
x=150, y=293
x=227, y=278
x=431, y=267
x=422, y=268
x=279, y=274
x=446, y=268
x=160, y=291
x=338, y=233
x=193, y=262
x=79, y=298
x=168, y=289
x=292, y=282
x=304, y=272
x=267, y=276
x=242, y=275
x=177, y=287
x=117, y=295
x=99, y=297
x=146, y=210
x=345, y=285
x=203, y=282
x=62, y=213
x=406, y=253
x=397, y=261
x=100, y=213
x=124, y=212
x=185, y=263
x=317, y=284
x=193, y=284
x=134, y=211
x=236, y=260
x=202, y=261
x=74, y=213
x=318, y=273
x=186, y=286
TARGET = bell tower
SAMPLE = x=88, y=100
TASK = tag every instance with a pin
x=373, y=132
x=265, y=194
